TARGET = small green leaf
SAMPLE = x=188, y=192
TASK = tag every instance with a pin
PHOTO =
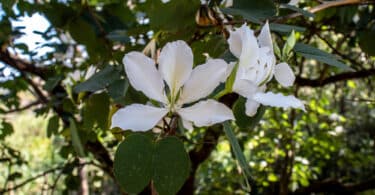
x=133, y=163
x=76, y=141
x=171, y=166
x=288, y=46
x=99, y=80
x=53, y=125
x=309, y=51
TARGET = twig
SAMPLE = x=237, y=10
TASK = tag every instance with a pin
x=23, y=108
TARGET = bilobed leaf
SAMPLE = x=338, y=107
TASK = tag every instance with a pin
x=244, y=121
x=309, y=51
x=253, y=10
x=133, y=163
x=171, y=166
x=99, y=80
x=53, y=125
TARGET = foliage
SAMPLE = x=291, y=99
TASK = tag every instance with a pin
x=78, y=82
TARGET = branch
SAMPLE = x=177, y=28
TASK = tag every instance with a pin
x=21, y=65
x=336, y=78
x=22, y=108
x=335, y=186
x=326, y=5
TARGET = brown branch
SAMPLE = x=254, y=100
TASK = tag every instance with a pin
x=325, y=5
x=21, y=65
x=334, y=186
x=336, y=78
x=22, y=108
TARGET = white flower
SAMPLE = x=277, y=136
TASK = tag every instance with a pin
x=257, y=66
x=185, y=86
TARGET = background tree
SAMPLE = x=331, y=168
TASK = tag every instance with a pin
x=79, y=82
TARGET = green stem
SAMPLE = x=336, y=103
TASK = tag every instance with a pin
x=237, y=152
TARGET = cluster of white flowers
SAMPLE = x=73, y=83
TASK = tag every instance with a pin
x=187, y=87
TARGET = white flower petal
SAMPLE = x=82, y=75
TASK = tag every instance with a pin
x=187, y=125
x=278, y=100
x=143, y=75
x=251, y=107
x=243, y=44
x=245, y=87
x=264, y=38
x=206, y=113
x=203, y=80
x=284, y=74
x=138, y=117
x=176, y=64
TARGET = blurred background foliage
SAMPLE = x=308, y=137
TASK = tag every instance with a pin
x=74, y=76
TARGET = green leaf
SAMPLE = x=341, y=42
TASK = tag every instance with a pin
x=52, y=82
x=288, y=46
x=6, y=129
x=173, y=15
x=117, y=90
x=284, y=28
x=299, y=10
x=96, y=111
x=253, y=10
x=367, y=42
x=53, y=125
x=171, y=166
x=76, y=141
x=237, y=150
x=99, y=80
x=309, y=51
x=133, y=163
x=244, y=121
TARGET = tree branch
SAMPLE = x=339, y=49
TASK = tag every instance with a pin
x=326, y=5
x=22, y=108
x=336, y=78
x=21, y=65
